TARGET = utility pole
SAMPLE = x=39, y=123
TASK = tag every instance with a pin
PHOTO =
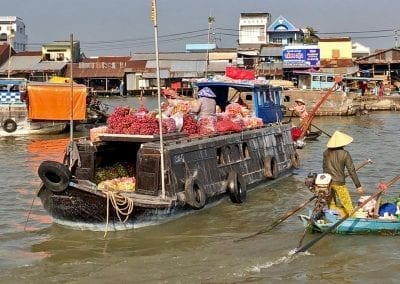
x=395, y=38
x=10, y=37
x=211, y=20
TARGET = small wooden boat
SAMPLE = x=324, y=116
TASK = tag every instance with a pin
x=352, y=225
x=313, y=135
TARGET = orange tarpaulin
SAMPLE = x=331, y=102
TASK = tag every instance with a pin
x=53, y=101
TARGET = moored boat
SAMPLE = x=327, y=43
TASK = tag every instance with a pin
x=199, y=170
x=31, y=108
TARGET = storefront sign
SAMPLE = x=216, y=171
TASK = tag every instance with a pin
x=301, y=57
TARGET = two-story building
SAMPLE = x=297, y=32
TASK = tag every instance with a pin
x=12, y=31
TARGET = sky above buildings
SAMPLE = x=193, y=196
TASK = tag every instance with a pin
x=124, y=27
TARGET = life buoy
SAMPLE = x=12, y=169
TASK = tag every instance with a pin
x=55, y=176
x=9, y=125
x=195, y=194
x=295, y=160
x=270, y=167
x=236, y=187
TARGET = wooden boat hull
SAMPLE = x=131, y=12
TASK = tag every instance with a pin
x=312, y=135
x=353, y=226
x=82, y=202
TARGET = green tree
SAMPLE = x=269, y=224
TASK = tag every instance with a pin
x=310, y=36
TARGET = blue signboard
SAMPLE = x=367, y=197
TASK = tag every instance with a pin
x=301, y=57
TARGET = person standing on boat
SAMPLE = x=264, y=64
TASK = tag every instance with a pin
x=206, y=104
x=335, y=160
x=301, y=111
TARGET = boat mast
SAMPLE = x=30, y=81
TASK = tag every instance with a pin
x=71, y=106
x=154, y=19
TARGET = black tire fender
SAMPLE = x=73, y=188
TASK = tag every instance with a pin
x=54, y=175
x=295, y=160
x=236, y=187
x=9, y=125
x=195, y=194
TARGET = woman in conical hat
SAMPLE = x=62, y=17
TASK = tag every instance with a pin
x=335, y=160
x=301, y=111
x=339, y=139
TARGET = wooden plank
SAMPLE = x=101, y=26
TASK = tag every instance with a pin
x=137, y=138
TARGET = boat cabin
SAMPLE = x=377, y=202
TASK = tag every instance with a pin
x=11, y=89
x=263, y=99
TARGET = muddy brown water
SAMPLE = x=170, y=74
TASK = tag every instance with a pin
x=200, y=247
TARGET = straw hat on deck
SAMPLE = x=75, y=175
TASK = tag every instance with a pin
x=300, y=101
x=339, y=139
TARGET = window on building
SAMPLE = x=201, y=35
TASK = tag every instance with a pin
x=335, y=53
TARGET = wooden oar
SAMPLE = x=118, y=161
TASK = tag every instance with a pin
x=327, y=134
x=291, y=212
x=382, y=188
x=280, y=220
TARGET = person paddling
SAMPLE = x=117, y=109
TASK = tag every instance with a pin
x=335, y=160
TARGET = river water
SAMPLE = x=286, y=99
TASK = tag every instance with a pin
x=200, y=247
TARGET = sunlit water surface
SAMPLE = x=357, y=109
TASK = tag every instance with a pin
x=199, y=247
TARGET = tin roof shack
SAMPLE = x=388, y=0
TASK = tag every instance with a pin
x=178, y=68
x=103, y=75
x=383, y=65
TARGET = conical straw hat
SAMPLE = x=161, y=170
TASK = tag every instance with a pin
x=339, y=139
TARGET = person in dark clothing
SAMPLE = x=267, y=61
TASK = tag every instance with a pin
x=335, y=160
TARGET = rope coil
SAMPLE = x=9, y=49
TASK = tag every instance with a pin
x=122, y=205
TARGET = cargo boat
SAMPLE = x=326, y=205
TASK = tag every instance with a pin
x=198, y=171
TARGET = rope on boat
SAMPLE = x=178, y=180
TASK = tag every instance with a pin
x=122, y=205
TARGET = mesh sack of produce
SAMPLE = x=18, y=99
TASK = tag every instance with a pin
x=228, y=126
x=207, y=125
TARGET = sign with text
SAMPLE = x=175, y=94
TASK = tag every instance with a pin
x=301, y=57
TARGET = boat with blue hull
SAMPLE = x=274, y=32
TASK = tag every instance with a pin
x=199, y=170
x=352, y=225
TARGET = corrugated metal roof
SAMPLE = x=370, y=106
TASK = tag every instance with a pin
x=171, y=56
x=21, y=63
x=222, y=55
x=164, y=64
x=107, y=59
x=49, y=65
x=164, y=74
x=218, y=66
x=96, y=72
x=188, y=66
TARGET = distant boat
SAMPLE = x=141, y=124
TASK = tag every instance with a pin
x=31, y=108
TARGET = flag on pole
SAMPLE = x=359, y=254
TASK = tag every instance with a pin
x=153, y=12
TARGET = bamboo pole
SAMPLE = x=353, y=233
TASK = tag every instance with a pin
x=154, y=18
